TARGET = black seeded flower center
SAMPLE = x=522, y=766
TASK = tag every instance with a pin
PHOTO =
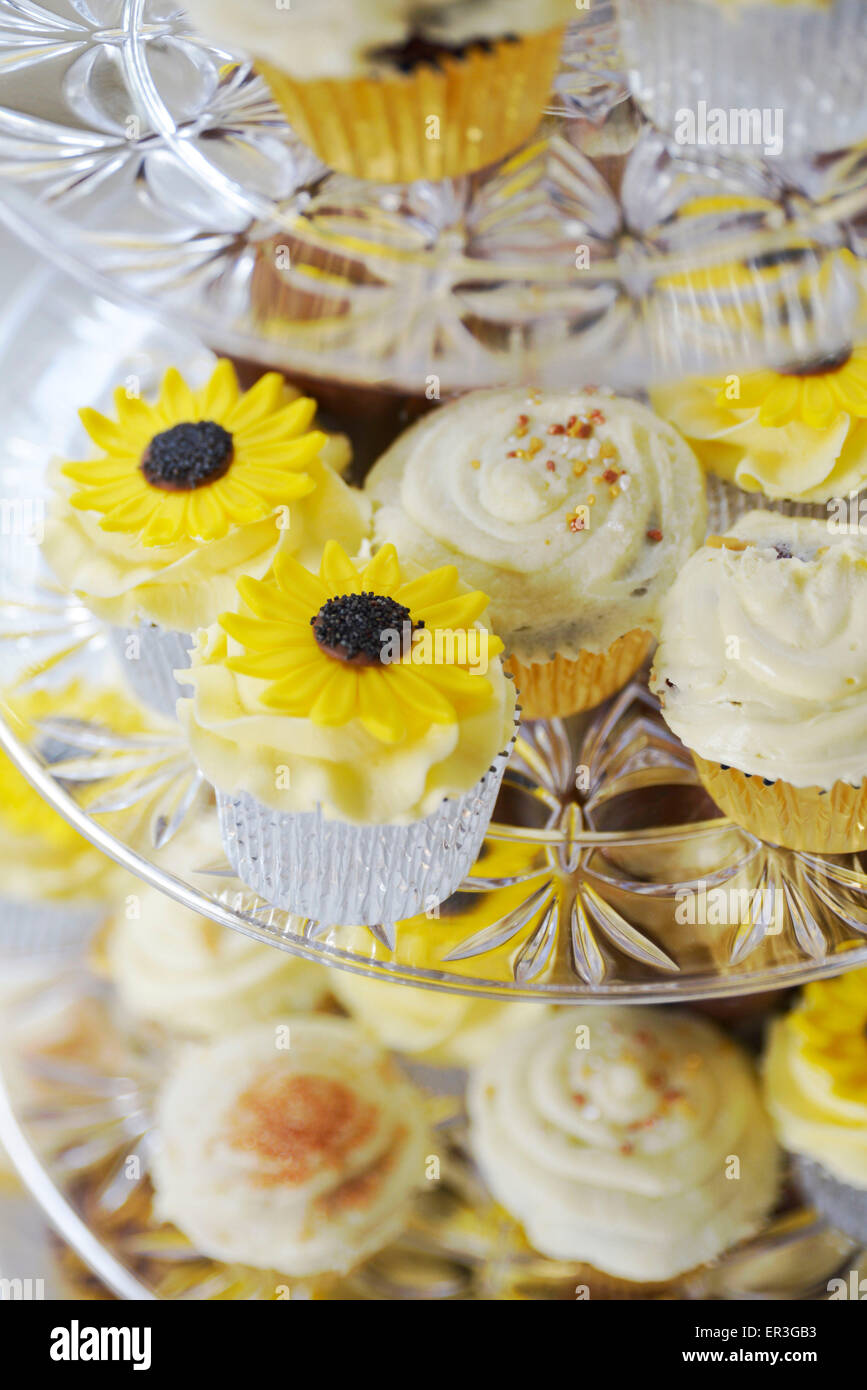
x=821, y=366
x=188, y=456
x=364, y=629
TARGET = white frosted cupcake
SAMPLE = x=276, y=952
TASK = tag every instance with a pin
x=356, y=725
x=699, y=67
x=574, y=511
x=816, y=1090
x=394, y=90
x=191, y=976
x=186, y=495
x=296, y=1150
x=632, y=1140
x=437, y=1028
x=762, y=672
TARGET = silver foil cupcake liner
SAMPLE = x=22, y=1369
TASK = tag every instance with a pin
x=727, y=503
x=357, y=875
x=46, y=928
x=150, y=673
x=841, y=1204
x=799, y=67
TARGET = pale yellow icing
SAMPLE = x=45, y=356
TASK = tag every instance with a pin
x=644, y=1153
x=468, y=485
x=296, y=1194
x=762, y=663
x=790, y=460
x=447, y=1029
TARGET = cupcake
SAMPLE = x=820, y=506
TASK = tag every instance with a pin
x=187, y=495
x=574, y=511
x=451, y=1030
x=632, y=1141
x=188, y=975
x=298, y=1153
x=356, y=725
x=798, y=434
x=400, y=91
x=761, y=670
x=816, y=1091
x=56, y=886
x=757, y=77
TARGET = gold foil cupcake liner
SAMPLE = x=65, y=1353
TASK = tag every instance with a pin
x=800, y=818
x=432, y=123
x=563, y=686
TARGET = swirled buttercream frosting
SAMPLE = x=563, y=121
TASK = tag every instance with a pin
x=762, y=663
x=630, y=1139
x=296, y=1148
x=573, y=511
x=182, y=971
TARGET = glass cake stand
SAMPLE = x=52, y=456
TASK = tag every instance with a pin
x=140, y=156
x=607, y=873
x=77, y=1090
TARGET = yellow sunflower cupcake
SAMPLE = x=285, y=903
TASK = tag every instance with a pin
x=799, y=434
x=394, y=90
x=356, y=725
x=55, y=884
x=816, y=1089
x=187, y=494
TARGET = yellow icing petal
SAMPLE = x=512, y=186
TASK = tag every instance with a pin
x=266, y=666
x=98, y=471
x=781, y=403
x=264, y=599
x=105, y=433
x=297, y=692
x=292, y=420
x=241, y=506
x=102, y=499
x=378, y=709
x=176, y=404
x=428, y=589
x=421, y=696
x=258, y=634
x=753, y=391
x=338, y=699
x=279, y=487
x=260, y=400
x=306, y=591
x=337, y=571
x=462, y=611
x=207, y=519
x=167, y=523
x=460, y=686
x=818, y=407
x=218, y=398
x=134, y=415
x=289, y=454
x=382, y=574
x=130, y=516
